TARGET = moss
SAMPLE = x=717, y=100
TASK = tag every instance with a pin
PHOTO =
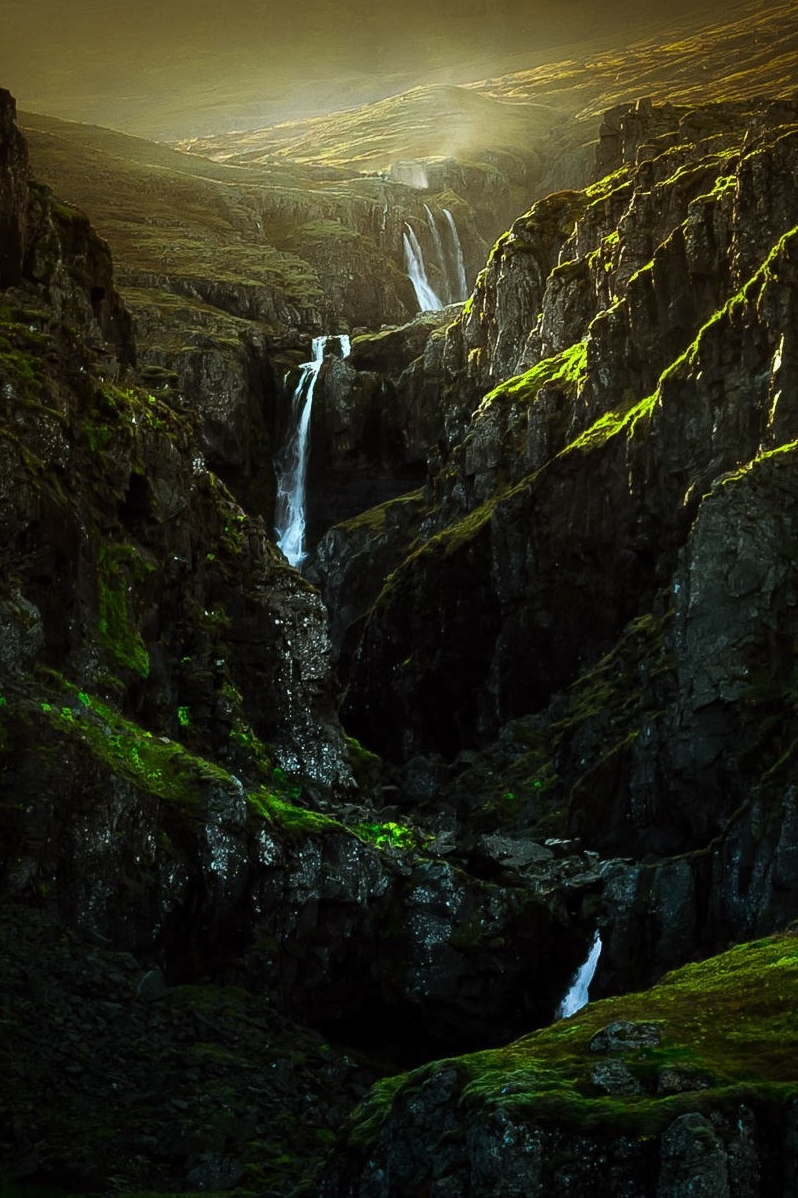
x=156, y=764
x=611, y=424
x=287, y=817
x=568, y=368
x=389, y=835
x=374, y=520
x=364, y=764
x=120, y=568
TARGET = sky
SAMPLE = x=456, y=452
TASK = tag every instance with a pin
x=178, y=68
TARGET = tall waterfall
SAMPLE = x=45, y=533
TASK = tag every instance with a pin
x=577, y=996
x=291, y=465
x=441, y=254
x=414, y=261
x=461, y=290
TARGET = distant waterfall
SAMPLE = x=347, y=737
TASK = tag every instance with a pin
x=292, y=464
x=446, y=295
x=414, y=261
x=453, y=286
x=461, y=290
x=577, y=995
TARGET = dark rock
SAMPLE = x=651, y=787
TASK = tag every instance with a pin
x=613, y=1077
x=214, y=1173
x=623, y=1036
x=152, y=986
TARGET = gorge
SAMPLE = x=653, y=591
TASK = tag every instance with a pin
x=331, y=793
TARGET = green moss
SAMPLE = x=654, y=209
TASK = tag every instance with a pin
x=730, y=1019
x=376, y=519
x=120, y=569
x=568, y=368
x=611, y=424
x=389, y=835
x=288, y=818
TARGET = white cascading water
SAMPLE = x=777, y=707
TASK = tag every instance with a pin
x=428, y=301
x=446, y=294
x=292, y=463
x=577, y=994
x=460, y=291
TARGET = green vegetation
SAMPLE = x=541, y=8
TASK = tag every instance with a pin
x=120, y=570
x=389, y=835
x=546, y=1077
x=567, y=368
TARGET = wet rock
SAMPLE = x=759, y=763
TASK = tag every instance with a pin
x=613, y=1077
x=152, y=987
x=625, y=1036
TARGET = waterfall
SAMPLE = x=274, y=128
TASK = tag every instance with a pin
x=460, y=292
x=446, y=295
x=449, y=253
x=291, y=465
x=576, y=996
x=414, y=261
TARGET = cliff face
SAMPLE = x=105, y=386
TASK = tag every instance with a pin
x=598, y=595
x=178, y=798
x=599, y=598
x=657, y=348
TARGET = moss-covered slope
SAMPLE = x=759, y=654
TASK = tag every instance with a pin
x=690, y=1087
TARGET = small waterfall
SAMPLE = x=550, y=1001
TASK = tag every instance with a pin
x=291, y=465
x=576, y=997
x=428, y=301
x=460, y=292
x=446, y=295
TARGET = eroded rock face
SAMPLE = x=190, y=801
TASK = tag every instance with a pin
x=615, y=423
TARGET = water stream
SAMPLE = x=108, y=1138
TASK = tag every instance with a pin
x=453, y=285
x=460, y=292
x=291, y=465
x=446, y=294
x=428, y=301
x=577, y=994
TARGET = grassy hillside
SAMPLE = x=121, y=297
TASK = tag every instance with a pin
x=744, y=49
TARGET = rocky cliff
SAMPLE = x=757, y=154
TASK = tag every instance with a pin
x=598, y=596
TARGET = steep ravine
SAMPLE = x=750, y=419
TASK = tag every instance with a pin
x=222, y=918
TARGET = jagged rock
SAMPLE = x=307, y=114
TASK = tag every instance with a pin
x=698, y=1159
x=13, y=193
x=214, y=1172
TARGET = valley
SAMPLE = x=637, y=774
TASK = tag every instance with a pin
x=398, y=612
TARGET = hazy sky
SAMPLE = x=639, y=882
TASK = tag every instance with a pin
x=169, y=68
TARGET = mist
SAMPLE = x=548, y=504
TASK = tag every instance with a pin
x=170, y=68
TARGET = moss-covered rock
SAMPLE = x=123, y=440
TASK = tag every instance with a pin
x=712, y=1108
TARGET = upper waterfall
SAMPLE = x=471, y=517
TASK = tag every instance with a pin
x=460, y=290
x=428, y=301
x=452, y=286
